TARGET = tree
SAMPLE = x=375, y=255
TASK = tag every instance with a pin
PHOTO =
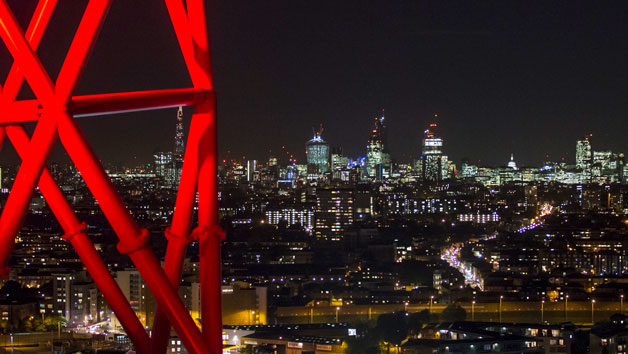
x=362, y=345
x=392, y=328
x=416, y=321
x=38, y=325
x=453, y=312
x=26, y=324
x=51, y=322
x=247, y=350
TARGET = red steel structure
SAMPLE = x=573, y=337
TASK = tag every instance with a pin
x=55, y=110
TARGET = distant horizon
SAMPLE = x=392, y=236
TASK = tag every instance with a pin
x=132, y=160
x=527, y=78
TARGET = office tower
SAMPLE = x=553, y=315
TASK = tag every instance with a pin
x=444, y=167
x=164, y=167
x=340, y=169
x=377, y=157
x=584, y=157
x=469, y=171
x=251, y=167
x=432, y=159
x=603, y=158
x=338, y=160
x=334, y=213
x=317, y=151
x=292, y=216
x=179, y=148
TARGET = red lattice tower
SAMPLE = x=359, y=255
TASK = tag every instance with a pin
x=55, y=109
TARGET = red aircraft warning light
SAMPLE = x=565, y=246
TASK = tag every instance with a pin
x=55, y=110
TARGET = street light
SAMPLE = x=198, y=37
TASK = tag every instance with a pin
x=405, y=306
x=566, y=300
x=253, y=315
x=431, y=302
x=592, y=311
x=542, y=308
x=473, y=310
x=337, y=309
x=501, y=297
x=621, y=304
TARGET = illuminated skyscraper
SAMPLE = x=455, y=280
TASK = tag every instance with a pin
x=338, y=160
x=251, y=168
x=377, y=157
x=317, y=151
x=434, y=163
x=584, y=156
x=179, y=147
x=164, y=167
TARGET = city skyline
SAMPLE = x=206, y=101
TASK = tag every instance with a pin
x=300, y=156
x=529, y=79
x=464, y=188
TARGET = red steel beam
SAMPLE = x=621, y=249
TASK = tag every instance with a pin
x=16, y=205
x=196, y=53
x=24, y=56
x=35, y=31
x=210, y=237
x=81, y=47
x=46, y=131
x=110, y=103
x=132, y=239
x=191, y=34
x=178, y=233
x=201, y=71
x=75, y=233
x=57, y=102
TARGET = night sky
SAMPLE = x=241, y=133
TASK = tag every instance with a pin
x=525, y=77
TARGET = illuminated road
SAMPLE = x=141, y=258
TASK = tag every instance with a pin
x=538, y=221
x=578, y=312
x=451, y=256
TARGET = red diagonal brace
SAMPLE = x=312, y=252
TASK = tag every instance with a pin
x=75, y=233
x=34, y=33
x=180, y=228
x=128, y=232
x=195, y=49
x=45, y=132
x=55, y=107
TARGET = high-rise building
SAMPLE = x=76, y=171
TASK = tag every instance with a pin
x=317, y=151
x=251, y=168
x=377, y=157
x=603, y=158
x=61, y=293
x=164, y=167
x=469, y=171
x=584, y=156
x=338, y=160
x=334, y=212
x=179, y=147
x=340, y=169
x=433, y=161
x=134, y=289
x=292, y=216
